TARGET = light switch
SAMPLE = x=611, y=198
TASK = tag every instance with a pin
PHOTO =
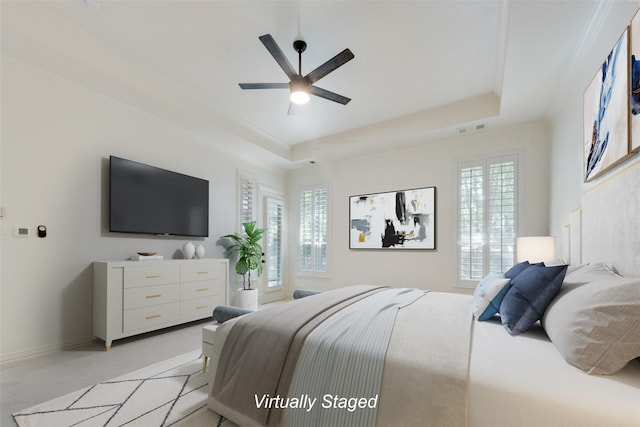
x=21, y=231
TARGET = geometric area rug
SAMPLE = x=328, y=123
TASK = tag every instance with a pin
x=168, y=393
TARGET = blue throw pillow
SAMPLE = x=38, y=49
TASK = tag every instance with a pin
x=516, y=269
x=222, y=313
x=488, y=295
x=531, y=292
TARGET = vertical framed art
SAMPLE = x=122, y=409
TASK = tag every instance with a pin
x=606, y=113
x=404, y=219
x=634, y=90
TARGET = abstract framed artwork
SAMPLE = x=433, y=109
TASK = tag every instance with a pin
x=634, y=67
x=397, y=220
x=606, y=113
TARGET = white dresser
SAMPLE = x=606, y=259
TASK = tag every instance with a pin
x=133, y=297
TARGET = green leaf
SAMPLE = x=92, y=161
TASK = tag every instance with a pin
x=246, y=250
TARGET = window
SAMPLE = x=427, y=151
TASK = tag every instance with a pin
x=313, y=230
x=274, y=241
x=487, y=217
x=247, y=198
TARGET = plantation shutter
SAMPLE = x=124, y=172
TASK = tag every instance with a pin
x=487, y=217
x=275, y=212
x=247, y=195
x=471, y=225
x=502, y=214
x=313, y=230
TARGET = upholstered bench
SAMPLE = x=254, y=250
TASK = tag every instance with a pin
x=302, y=293
x=207, y=344
x=221, y=314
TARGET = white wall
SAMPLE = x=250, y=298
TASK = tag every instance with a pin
x=429, y=164
x=566, y=171
x=56, y=141
x=56, y=137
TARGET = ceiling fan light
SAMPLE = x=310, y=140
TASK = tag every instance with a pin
x=299, y=91
x=299, y=97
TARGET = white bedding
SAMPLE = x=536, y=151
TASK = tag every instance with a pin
x=425, y=370
x=513, y=380
x=524, y=381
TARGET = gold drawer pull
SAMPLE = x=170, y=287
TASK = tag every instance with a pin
x=153, y=316
x=202, y=289
x=153, y=296
x=200, y=307
x=152, y=276
x=202, y=272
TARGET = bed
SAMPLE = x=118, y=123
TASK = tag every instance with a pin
x=440, y=365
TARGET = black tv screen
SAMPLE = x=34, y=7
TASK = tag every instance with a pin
x=146, y=199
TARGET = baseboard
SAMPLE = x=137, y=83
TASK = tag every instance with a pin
x=11, y=357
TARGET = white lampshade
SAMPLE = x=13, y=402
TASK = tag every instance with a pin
x=535, y=248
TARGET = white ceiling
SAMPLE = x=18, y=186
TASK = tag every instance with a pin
x=423, y=70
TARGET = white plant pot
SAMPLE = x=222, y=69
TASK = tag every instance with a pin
x=246, y=299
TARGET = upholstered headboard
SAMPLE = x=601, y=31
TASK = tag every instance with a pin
x=611, y=221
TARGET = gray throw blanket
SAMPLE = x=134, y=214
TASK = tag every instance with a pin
x=262, y=349
x=426, y=369
x=340, y=367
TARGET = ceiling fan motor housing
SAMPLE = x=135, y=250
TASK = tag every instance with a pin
x=299, y=83
x=299, y=46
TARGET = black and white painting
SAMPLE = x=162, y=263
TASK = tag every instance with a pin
x=403, y=219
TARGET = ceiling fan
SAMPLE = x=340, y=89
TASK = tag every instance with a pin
x=301, y=86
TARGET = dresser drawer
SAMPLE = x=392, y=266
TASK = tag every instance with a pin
x=134, y=297
x=206, y=288
x=146, y=296
x=202, y=271
x=199, y=308
x=149, y=317
x=151, y=275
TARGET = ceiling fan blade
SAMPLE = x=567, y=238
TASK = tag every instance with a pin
x=277, y=54
x=293, y=109
x=335, y=62
x=331, y=96
x=264, y=85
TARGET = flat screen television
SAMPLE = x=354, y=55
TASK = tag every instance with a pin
x=150, y=200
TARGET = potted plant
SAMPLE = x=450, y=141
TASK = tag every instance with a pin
x=246, y=250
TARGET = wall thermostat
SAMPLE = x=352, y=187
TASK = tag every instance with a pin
x=21, y=232
x=42, y=231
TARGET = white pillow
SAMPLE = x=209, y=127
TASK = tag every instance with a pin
x=594, y=322
x=587, y=273
x=488, y=295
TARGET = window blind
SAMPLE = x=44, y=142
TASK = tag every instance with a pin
x=487, y=216
x=275, y=211
x=247, y=192
x=313, y=230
